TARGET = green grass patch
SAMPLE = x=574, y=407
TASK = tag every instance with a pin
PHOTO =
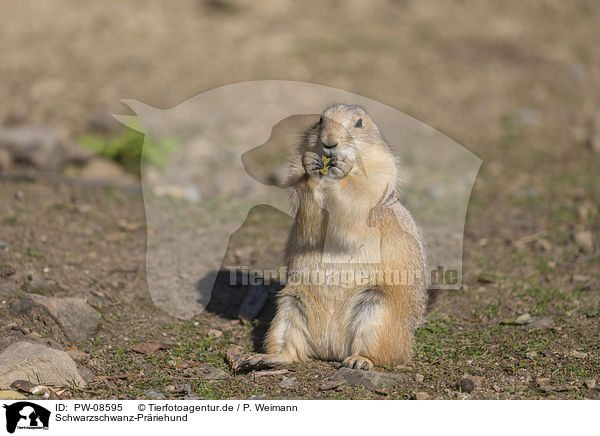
x=130, y=149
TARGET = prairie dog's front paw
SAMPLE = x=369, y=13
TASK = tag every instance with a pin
x=312, y=163
x=262, y=361
x=340, y=166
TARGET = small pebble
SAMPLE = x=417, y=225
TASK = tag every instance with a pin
x=466, y=385
x=257, y=397
x=419, y=378
x=287, y=382
x=214, y=333
x=422, y=396
x=153, y=394
x=35, y=336
x=590, y=383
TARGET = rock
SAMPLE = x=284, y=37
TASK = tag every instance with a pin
x=211, y=372
x=234, y=356
x=422, y=396
x=419, y=378
x=28, y=361
x=544, y=384
x=75, y=317
x=287, y=382
x=214, y=333
x=35, y=281
x=103, y=172
x=253, y=303
x=153, y=394
x=11, y=395
x=531, y=354
x=5, y=159
x=332, y=384
x=466, y=385
x=543, y=245
x=521, y=320
x=577, y=354
x=584, y=241
x=540, y=322
x=580, y=278
x=104, y=123
x=22, y=385
x=86, y=373
x=371, y=380
x=8, y=290
x=257, y=397
x=78, y=356
x=39, y=147
x=593, y=133
x=590, y=383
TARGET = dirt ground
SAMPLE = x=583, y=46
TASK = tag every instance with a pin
x=516, y=83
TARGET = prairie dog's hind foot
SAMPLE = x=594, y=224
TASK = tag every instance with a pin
x=357, y=362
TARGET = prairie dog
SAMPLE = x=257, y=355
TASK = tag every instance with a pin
x=351, y=230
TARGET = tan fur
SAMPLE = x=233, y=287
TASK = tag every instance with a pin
x=348, y=223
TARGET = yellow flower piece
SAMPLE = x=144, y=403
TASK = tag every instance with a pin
x=326, y=165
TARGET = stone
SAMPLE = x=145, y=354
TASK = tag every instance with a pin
x=585, y=241
x=214, y=333
x=332, y=384
x=590, y=383
x=466, y=385
x=78, y=356
x=39, y=147
x=234, y=356
x=371, y=380
x=577, y=354
x=103, y=172
x=153, y=394
x=35, y=281
x=75, y=317
x=5, y=159
x=211, y=372
x=422, y=396
x=257, y=397
x=253, y=303
x=520, y=320
x=86, y=373
x=419, y=378
x=8, y=290
x=38, y=363
x=287, y=382
x=540, y=322
x=11, y=395
x=543, y=245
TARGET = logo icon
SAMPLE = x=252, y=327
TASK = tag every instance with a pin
x=26, y=415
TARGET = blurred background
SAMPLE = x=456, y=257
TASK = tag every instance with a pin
x=517, y=83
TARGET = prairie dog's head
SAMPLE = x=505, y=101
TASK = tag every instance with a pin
x=346, y=130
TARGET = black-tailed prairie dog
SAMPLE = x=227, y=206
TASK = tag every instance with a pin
x=356, y=286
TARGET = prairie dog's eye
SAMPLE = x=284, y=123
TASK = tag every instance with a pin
x=321, y=120
x=358, y=123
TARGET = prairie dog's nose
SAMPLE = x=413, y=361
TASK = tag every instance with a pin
x=329, y=140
